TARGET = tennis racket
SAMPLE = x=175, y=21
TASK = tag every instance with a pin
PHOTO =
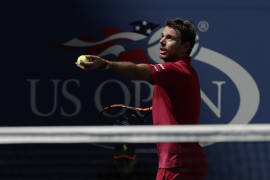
x=119, y=114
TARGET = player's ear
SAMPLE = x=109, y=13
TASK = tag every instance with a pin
x=186, y=45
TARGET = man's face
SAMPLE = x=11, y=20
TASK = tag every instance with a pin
x=170, y=45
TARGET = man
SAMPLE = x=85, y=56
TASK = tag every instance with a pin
x=176, y=98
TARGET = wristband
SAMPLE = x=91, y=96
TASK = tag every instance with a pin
x=107, y=65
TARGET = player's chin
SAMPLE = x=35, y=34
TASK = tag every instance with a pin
x=163, y=57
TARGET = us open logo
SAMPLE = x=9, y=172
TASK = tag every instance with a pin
x=146, y=36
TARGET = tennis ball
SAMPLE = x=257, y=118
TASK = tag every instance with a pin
x=82, y=58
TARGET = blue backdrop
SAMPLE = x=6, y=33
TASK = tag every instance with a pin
x=41, y=40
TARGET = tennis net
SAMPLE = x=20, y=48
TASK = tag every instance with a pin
x=83, y=152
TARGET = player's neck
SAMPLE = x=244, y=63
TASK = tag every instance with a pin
x=180, y=58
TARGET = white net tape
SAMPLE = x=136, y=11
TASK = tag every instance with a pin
x=135, y=134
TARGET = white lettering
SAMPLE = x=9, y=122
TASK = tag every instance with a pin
x=71, y=97
x=126, y=94
x=138, y=88
x=33, y=99
x=210, y=104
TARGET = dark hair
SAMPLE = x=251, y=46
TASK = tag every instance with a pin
x=186, y=29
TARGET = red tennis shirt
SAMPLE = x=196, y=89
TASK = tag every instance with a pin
x=176, y=100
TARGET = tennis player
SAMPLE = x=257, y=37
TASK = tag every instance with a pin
x=176, y=98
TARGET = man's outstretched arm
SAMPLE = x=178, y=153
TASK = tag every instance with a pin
x=127, y=69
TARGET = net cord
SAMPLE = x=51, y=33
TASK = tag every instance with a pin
x=135, y=134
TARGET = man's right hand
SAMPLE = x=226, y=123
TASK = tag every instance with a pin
x=95, y=62
x=124, y=68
